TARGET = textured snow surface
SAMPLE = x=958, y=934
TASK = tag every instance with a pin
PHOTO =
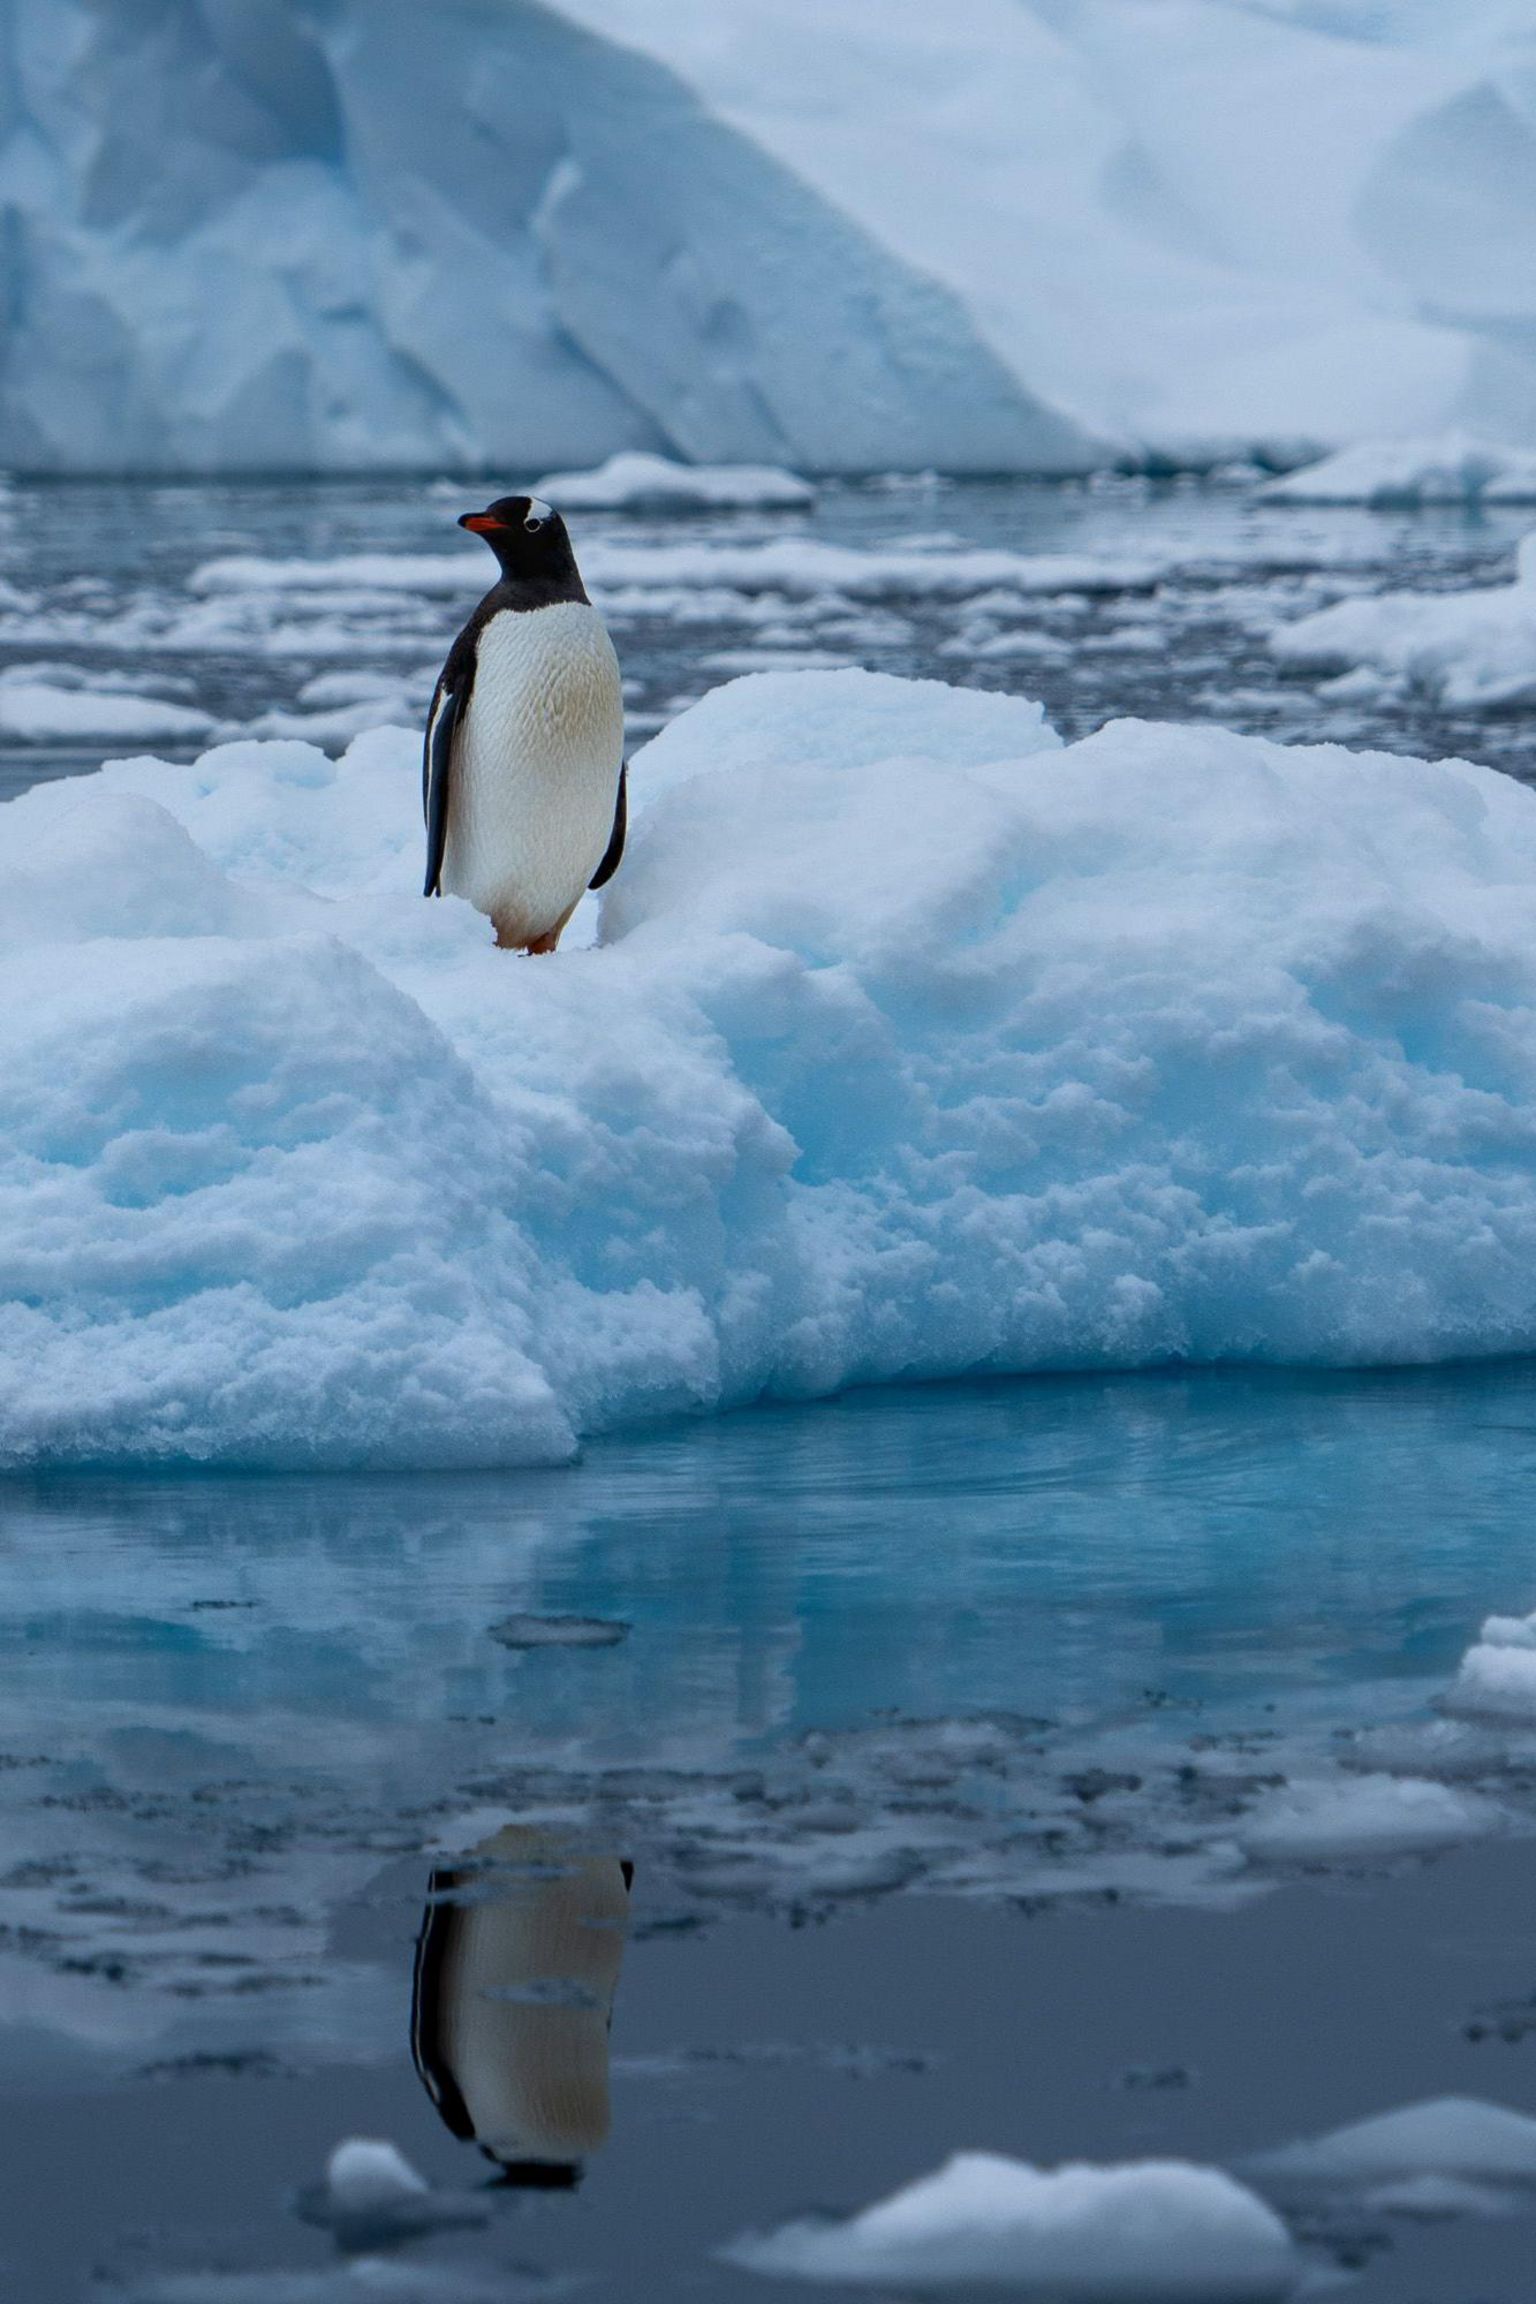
x=1363, y=1816
x=915, y=1043
x=637, y=482
x=855, y=234
x=1451, y=469
x=1466, y=649
x=1498, y=1673
x=1149, y=2230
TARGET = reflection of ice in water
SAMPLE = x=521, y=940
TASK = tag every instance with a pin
x=516, y=1968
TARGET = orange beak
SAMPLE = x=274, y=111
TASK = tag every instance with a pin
x=481, y=524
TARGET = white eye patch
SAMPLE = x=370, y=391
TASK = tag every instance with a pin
x=538, y=513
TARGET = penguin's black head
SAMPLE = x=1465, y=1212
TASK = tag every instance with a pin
x=528, y=538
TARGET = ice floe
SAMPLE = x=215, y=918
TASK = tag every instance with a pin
x=1364, y=1817
x=1468, y=649
x=1155, y=2231
x=371, y=2198
x=635, y=482
x=1455, y=2153
x=1498, y=1673
x=915, y=1043
x=1452, y=468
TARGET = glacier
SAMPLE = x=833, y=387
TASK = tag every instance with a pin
x=912, y=1042
x=836, y=235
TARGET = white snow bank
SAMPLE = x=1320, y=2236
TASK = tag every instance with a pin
x=1154, y=2229
x=915, y=1044
x=1452, y=468
x=1466, y=649
x=1368, y=1816
x=635, y=482
x=1452, y=2137
x=39, y=713
x=1497, y=1675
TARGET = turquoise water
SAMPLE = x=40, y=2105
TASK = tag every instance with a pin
x=958, y=1648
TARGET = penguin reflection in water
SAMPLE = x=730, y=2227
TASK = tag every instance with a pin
x=516, y=1967
x=523, y=773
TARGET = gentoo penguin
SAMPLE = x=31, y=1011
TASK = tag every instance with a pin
x=516, y=1967
x=523, y=771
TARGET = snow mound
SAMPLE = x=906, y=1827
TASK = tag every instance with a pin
x=1453, y=468
x=1497, y=1675
x=38, y=713
x=1150, y=2230
x=635, y=482
x=915, y=1044
x=1451, y=2138
x=1468, y=650
x=1368, y=1816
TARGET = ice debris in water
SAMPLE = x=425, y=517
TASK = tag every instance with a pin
x=1448, y=468
x=371, y=2197
x=1498, y=1673
x=1144, y=2231
x=365, y=2280
x=1452, y=2156
x=635, y=482
x=916, y=1044
x=1367, y=1816
x=1468, y=650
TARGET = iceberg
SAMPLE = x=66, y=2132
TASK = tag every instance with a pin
x=1147, y=2232
x=913, y=1043
x=1451, y=469
x=277, y=234
x=1470, y=650
x=635, y=482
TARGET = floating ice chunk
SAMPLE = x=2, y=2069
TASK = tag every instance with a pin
x=365, y=2280
x=1449, y=2137
x=1333, y=1819
x=1451, y=468
x=1497, y=1675
x=39, y=714
x=371, y=2197
x=1145, y=2231
x=1470, y=650
x=635, y=482
x=294, y=1168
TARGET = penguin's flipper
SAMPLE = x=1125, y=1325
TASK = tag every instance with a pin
x=614, y=851
x=436, y=783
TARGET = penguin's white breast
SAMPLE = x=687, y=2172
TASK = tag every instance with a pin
x=536, y=764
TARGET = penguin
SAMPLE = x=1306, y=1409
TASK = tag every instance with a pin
x=516, y=1968
x=524, y=781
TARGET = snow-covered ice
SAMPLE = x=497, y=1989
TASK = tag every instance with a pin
x=38, y=712
x=1453, y=2139
x=1469, y=649
x=1453, y=468
x=1144, y=2232
x=1333, y=1819
x=914, y=1044
x=1497, y=1676
x=855, y=237
x=635, y=482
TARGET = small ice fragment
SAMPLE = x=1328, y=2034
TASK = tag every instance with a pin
x=1363, y=1816
x=371, y=2197
x=560, y=1631
x=369, y=2172
x=1148, y=2230
x=1449, y=2136
x=633, y=482
x=1498, y=1673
